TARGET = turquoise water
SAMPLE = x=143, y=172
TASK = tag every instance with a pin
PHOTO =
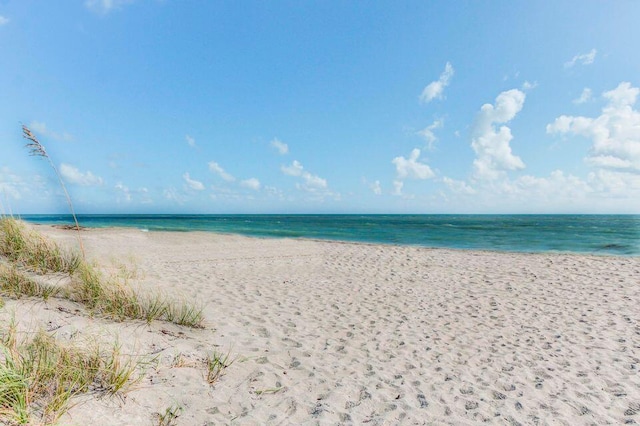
x=596, y=234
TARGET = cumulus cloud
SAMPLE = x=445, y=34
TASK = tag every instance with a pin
x=585, y=96
x=491, y=145
x=311, y=182
x=583, y=59
x=123, y=191
x=435, y=89
x=3, y=20
x=172, y=194
x=72, y=175
x=280, y=146
x=615, y=133
x=10, y=184
x=274, y=192
x=104, y=7
x=458, y=186
x=42, y=129
x=196, y=185
x=411, y=167
x=427, y=132
x=251, y=183
x=215, y=168
x=190, y=141
x=376, y=188
x=397, y=187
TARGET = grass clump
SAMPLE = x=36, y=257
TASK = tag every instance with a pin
x=215, y=364
x=30, y=249
x=170, y=415
x=16, y=284
x=115, y=298
x=111, y=296
x=39, y=377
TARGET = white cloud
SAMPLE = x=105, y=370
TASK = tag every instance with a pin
x=172, y=194
x=3, y=20
x=73, y=175
x=251, y=183
x=615, y=133
x=311, y=182
x=435, y=88
x=458, y=186
x=411, y=167
x=10, y=185
x=585, y=96
x=583, y=59
x=190, y=141
x=42, y=129
x=124, y=190
x=427, y=132
x=282, y=147
x=215, y=168
x=103, y=7
x=375, y=187
x=616, y=184
x=397, y=187
x=193, y=184
x=528, y=86
x=274, y=192
x=295, y=169
x=491, y=145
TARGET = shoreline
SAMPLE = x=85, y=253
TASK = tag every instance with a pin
x=337, y=241
x=333, y=333
x=616, y=235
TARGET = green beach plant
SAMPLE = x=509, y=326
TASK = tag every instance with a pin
x=170, y=415
x=39, y=377
x=216, y=363
x=111, y=296
x=17, y=284
x=30, y=249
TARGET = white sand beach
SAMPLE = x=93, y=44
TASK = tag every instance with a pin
x=335, y=333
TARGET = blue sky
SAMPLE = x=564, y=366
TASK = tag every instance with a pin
x=167, y=106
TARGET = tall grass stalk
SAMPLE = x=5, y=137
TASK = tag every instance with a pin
x=37, y=149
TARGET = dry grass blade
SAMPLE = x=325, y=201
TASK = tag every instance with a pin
x=38, y=150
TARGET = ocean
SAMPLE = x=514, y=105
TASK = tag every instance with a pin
x=593, y=234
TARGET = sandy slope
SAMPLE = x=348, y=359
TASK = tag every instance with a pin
x=336, y=333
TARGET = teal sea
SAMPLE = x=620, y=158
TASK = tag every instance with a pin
x=594, y=234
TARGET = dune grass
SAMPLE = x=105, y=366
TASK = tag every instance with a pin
x=39, y=377
x=30, y=249
x=112, y=296
x=16, y=284
x=115, y=298
x=215, y=364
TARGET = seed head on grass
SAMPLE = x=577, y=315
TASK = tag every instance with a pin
x=37, y=149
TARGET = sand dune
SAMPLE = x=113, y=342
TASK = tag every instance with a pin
x=339, y=333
